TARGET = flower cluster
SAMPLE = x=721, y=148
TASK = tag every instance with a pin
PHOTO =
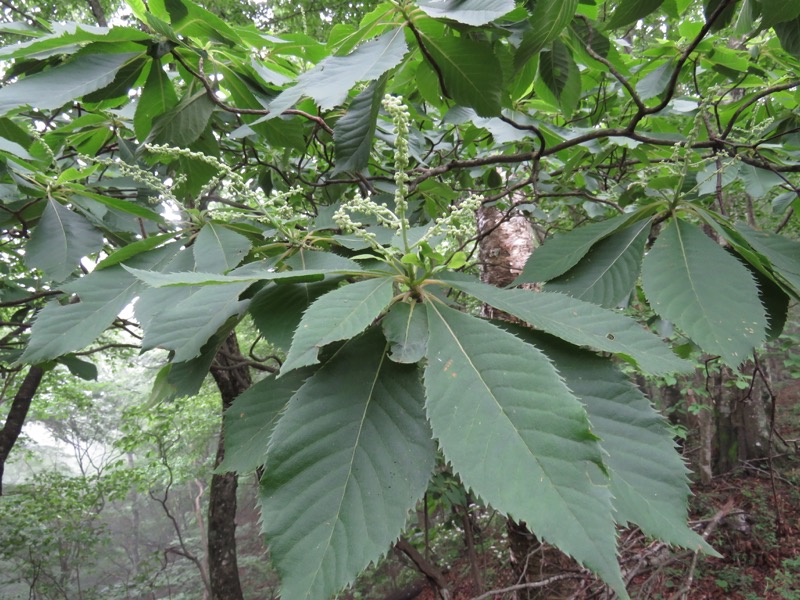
x=136, y=173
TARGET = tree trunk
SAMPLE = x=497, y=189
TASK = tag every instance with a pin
x=98, y=12
x=232, y=376
x=16, y=415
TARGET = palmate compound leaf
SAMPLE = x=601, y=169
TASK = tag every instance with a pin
x=648, y=476
x=338, y=315
x=608, y=272
x=349, y=458
x=60, y=240
x=577, y=322
x=63, y=328
x=518, y=437
x=250, y=420
x=705, y=291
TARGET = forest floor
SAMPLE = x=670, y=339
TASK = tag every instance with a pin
x=751, y=516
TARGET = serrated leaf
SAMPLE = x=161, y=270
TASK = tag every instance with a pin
x=60, y=329
x=560, y=74
x=125, y=79
x=183, y=124
x=517, y=436
x=577, y=322
x=329, y=82
x=470, y=69
x=277, y=309
x=55, y=87
x=158, y=96
x=563, y=251
x=607, y=274
x=184, y=326
x=406, y=328
x=709, y=294
x=782, y=253
x=648, y=477
x=470, y=12
x=353, y=133
x=349, y=458
x=338, y=315
x=250, y=420
x=193, y=278
x=630, y=11
x=217, y=249
x=547, y=21
x=60, y=240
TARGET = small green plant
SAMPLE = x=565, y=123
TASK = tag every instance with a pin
x=785, y=583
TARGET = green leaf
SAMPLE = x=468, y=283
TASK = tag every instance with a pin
x=277, y=309
x=469, y=12
x=217, y=249
x=789, y=36
x=648, y=476
x=406, y=329
x=187, y=18
x=782, y=253
x=183, y=124
x=630, y=11
x=470, y=69
x=55, y=87
x=329, y=82
x=158, y=96
x=124, y=80
x=349, y=458
x=547, y=21
x=125, y=206
x=694, y=283
x=655, y=82
x=759, y=182
x=562, y=252
x=577, y=322
x=133, y=249
x=60, y=240
x=778, y=11
x=353, y=133
x=517, y=436
x=607, y=274
x=338, y=315
x=80, y=368
x=250, y=272
x=60, y=329
x=250, y=420
x=186, y=325
x=560, y=75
